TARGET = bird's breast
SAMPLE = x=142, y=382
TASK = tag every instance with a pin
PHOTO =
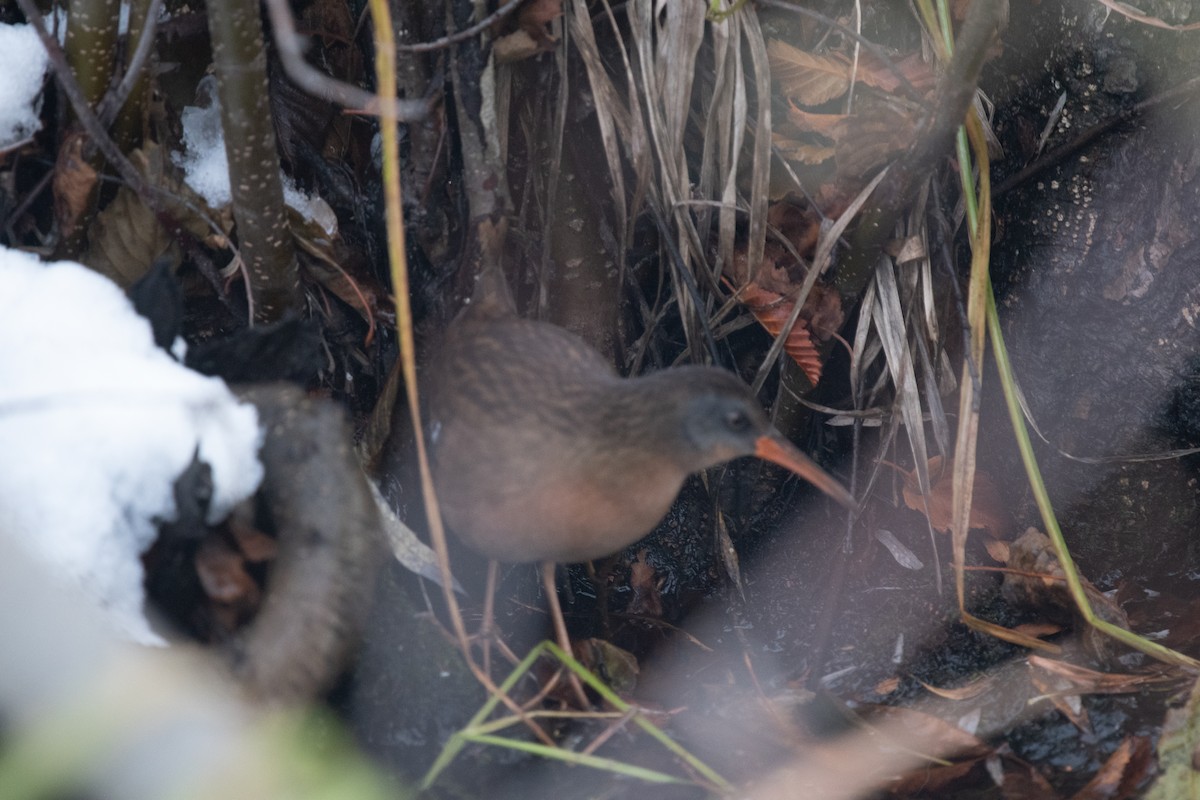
x=547, y=497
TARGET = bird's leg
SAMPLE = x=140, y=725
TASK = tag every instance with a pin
x=560, y=628
x=488, y=634
x=489, y=613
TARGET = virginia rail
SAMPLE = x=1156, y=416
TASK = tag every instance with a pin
x=541, y=452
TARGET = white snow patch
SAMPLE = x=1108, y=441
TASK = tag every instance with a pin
x=23, y=64
x=206, y=167
x=96, y=424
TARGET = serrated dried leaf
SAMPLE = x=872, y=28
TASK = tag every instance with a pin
x=807, y=78
x=772, y=312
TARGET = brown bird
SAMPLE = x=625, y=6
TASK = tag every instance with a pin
x=541, y=452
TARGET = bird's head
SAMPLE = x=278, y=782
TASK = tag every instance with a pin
x=721, y=420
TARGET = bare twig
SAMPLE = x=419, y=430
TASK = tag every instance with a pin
x=459, y=36
x=317, y=83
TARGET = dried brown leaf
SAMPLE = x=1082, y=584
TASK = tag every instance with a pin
x=644, y=582
x=809, y=122
x=997, y=549
x=987, y=507
x=125, y=238
x=802, y=152
x=913, y=67
x=938, y=738
x=223, y=575
x=618, y=667
x=1023, y=781
x=935, y=734
x=1040, y=630
x=1068, y=703
x=964, y=692
x=800, y=225
x=1089, y=681
x=823, y=311
x=1122, y=773
x=807, y=78
x=354, y=287
x=515, y=46
x=255, y=545
x=870, y=138
x=933, y=778
x=1035, y=580
x=535, y=18
x=74, y=180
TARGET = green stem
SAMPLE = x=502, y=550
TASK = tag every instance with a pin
x=1049, y=519
x=582, y=759
x=479, y=731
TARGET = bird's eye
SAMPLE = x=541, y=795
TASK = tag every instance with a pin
x=737, y=421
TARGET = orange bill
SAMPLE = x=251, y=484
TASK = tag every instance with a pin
x=777, y=450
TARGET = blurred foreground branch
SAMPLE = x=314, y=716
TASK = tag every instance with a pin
x=86, y=710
